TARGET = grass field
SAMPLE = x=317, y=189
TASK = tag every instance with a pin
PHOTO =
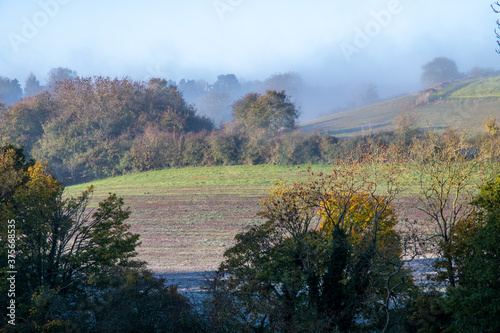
x=477, y=88
x=187, y=217
x=463, y=105
x=360, y=121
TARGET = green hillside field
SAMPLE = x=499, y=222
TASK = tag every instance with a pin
x=464, y=104
x=187, y=217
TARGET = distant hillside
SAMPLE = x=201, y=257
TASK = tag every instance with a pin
x=463, y=104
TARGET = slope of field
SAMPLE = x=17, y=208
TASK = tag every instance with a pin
x=187, y=217
x=477, y=88
x=464, y=104
x=361, y=120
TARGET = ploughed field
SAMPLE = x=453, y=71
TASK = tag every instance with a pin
x=187, y=217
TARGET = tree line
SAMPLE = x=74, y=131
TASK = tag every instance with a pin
x=88, y=128
x=72, y=268
x=331, y=254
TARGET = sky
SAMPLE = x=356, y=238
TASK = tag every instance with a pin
x=330, y=43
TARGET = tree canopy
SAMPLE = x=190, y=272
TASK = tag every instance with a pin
x=70, y=261
x=326, y=253
x=439, y=70
x=83, y=127
x=272, y=111
x=475, y=303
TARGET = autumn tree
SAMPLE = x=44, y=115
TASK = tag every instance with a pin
x=405, y=127
x=322, y=257
x=448, y=169
x=272, y=111
x=68, y=258
x=59, y=245
x=85, y=127
x=490, y=142
x=491, y=126
x=23, y=123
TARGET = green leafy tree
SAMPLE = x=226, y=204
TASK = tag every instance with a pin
x=272, y=111
x=225, y=147
x=474, y=303
x=295, y=148
x=259, y=148
x=59, y=245
x=70, y=259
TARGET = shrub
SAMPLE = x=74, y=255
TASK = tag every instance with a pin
x=196, y=149
x=258, y=148
x=297, y=148
x=225, y=147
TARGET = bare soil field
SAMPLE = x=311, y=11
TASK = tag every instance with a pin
x=189, y=230
x=187, y=218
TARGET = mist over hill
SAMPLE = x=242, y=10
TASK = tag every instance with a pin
x=465, y=104
x=340, y=51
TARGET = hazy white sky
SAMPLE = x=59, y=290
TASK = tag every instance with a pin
x=334, y=42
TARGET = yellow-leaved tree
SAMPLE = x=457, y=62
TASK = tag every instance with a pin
x=326, y=253
x=74, y=266
x=358, y=221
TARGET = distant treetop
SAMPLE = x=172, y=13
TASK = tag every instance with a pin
x=440, y=69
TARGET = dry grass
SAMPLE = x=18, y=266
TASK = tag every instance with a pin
x=464, y=105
